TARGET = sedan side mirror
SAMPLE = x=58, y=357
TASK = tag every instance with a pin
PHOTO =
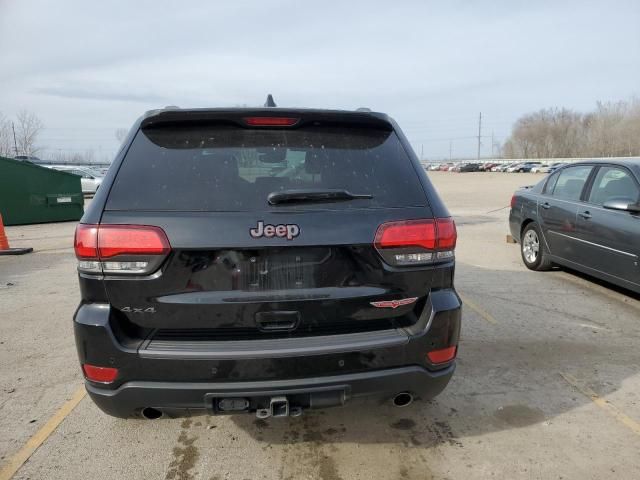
x=622, y=203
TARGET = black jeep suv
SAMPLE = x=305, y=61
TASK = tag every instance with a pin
x=264, y=260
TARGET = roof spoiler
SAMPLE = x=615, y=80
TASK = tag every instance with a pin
x=236, y=116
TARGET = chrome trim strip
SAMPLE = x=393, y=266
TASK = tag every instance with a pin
x=594, y=244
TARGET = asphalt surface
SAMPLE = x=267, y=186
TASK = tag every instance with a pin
x=547, y=385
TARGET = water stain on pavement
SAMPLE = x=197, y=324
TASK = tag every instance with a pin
x=519, y=415
x=185, y=455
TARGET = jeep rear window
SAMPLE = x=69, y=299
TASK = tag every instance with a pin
x=229, y=168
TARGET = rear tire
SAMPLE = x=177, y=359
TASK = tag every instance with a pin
x=532, y=249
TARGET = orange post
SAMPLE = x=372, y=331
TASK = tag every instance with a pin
x=4, y=243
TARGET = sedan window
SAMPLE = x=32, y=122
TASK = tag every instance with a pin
x=613, y=182
x=571, y=182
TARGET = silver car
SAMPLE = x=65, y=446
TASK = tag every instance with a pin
x=90, y=179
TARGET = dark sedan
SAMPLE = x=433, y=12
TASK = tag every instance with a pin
x=584, y=216
x=469, y=167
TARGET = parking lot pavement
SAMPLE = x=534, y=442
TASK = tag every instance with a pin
x=547, y=384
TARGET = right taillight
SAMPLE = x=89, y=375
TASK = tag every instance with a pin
x=443, y=355
x=120, y=249
x=416, y=242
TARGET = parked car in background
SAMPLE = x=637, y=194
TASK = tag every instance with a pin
x=90, y=179
x=486, y=167
x=553, y=167
x=27, y=158
x=523, y=167
x=513, y=167
x=503, y=167
x=528, y=166
x=584, y=216
x=538, y=168
x=469, y=167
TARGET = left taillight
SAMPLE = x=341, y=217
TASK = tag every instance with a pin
x=99, y=374
x=120, y=249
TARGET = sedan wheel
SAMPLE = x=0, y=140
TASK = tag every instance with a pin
x=532, y=250
x=531, y=246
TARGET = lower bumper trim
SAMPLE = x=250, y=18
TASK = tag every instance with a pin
x=175, y=398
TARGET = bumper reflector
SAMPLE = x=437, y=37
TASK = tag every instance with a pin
x=443, y=355
x=99, y=374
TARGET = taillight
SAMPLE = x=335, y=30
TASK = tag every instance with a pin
x=116, y=240
x=86, y=241
x=443, y=355
x=271, y=121
x=412, y=233
x=447, y=233
x=132, y=249
x=415, y=242
x=99, y=374
x=513, y=200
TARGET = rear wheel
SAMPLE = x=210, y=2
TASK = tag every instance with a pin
x=533, y=254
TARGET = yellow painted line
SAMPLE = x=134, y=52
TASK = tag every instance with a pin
x=602, y=403
x=19, y=458
x=483, y=314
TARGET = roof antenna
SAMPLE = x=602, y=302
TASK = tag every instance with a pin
x=270, y=102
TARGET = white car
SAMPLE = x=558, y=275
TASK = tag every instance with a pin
x=90, y=179
x=514, y=167
x=549, y=168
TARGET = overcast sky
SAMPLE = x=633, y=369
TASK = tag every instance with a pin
x=88, y=68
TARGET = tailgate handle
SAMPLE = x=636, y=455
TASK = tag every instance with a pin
x=277, y=320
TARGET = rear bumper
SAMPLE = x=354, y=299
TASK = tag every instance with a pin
x=313, y=372
x=174, y=399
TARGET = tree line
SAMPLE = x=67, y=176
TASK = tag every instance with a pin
x=20, y=136
x=611, y=130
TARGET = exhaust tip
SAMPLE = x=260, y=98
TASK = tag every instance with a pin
x=151, y=413
x=403, y=399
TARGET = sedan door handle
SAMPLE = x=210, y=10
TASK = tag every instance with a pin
x=546, y=205
x=586, y=214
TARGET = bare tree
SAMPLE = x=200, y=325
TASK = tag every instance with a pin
x=6, y=140
x=121, y=134
x=613, y=129
x=28, y=127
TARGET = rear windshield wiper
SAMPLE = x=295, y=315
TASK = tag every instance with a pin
x=311, y=195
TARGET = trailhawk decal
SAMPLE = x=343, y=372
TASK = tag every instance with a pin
x=288, y=231
x=394, y=303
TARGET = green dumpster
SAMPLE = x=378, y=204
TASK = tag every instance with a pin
x=33, y=194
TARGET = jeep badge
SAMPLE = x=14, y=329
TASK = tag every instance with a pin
x=289, y=230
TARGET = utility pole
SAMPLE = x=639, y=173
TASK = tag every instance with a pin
x=422, y=152
x=493, y=144
x=479, y=134
x=15, y=142
x=450, y=149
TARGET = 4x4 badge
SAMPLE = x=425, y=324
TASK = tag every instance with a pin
x=394, y=303
x=288, y=230
x=138, y=310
